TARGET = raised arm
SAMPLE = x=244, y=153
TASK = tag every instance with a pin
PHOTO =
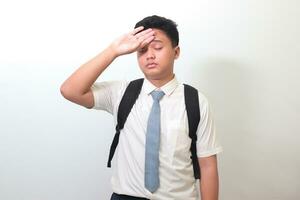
x=77, y=88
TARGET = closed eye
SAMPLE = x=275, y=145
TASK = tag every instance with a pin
x=143, y=50
x=157, y=48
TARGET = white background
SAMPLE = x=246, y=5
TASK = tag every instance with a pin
x=243, y=55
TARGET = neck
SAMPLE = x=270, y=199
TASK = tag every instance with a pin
x=160, y=82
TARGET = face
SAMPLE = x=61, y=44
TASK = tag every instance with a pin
x=156, y=60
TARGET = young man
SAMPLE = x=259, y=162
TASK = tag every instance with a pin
x=155, y=39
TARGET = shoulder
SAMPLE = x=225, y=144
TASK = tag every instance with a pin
x=107, y=94
x=203, y=100
x=202, y=97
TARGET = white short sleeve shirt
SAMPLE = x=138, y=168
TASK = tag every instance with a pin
x=176, y=174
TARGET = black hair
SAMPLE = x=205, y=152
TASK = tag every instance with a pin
x=168, y=26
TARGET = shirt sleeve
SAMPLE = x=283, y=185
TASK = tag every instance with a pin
x=207, y=142
x=107, y=95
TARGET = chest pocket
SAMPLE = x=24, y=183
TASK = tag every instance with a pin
x=180, y=142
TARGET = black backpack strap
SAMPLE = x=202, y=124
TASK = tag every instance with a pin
x=193, y=113
x=128, y=100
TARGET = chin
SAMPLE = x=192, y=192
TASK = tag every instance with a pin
x=154, y=76
x=151, y=72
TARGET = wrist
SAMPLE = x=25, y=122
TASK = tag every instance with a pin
x=112, y=51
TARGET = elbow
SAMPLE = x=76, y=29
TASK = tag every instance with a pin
x=66, y=92
x=74, y=96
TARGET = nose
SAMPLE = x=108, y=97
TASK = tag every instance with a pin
x=150, y=54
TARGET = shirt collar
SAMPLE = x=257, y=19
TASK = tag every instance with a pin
x=167, y=88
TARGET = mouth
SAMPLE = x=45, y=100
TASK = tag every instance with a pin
x=151, y=65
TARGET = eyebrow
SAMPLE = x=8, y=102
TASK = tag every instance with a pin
x=157, y=41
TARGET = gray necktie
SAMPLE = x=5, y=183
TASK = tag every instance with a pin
x=152, y=144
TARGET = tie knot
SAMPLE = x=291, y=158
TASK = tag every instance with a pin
x=157, y=95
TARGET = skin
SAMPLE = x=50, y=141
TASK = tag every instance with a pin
x=209, y=183
x=156, y=60
x=156, y=56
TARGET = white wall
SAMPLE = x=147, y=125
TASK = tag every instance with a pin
x=244, y=55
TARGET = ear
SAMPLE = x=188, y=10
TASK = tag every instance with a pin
x=177, y=52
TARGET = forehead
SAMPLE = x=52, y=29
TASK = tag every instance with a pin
x=160, y=37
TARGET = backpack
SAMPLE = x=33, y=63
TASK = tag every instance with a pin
x=193, y=113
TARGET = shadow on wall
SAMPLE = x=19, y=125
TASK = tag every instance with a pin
x=227, y=83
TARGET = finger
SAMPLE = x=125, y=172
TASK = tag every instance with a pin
x=136, y=30
x=142, y=33
x=146, y=35
x=147, y=41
